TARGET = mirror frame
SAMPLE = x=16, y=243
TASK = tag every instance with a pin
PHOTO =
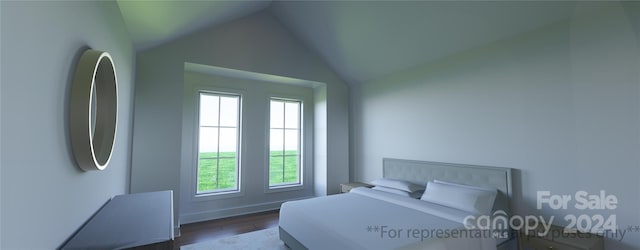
x=94, y=89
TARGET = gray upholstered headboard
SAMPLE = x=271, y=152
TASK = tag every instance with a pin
x=421, y=172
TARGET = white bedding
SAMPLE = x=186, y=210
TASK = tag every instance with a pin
x=349, y=221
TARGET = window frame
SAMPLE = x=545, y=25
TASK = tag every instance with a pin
x=300, y=142
x=238, y=191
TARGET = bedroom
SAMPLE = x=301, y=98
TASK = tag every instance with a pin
x=558, y=101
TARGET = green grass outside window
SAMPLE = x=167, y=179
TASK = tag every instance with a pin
x=225, y=178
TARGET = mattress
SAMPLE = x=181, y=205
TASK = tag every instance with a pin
x=371, y=219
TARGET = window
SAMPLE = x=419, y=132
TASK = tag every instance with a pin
x=218, y=143
x=285, y=143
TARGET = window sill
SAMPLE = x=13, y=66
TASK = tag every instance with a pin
x=284, y=188
x=217, y=196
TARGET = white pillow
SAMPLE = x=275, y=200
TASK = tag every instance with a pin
x=477, y=201
x=465, y=186
x=398, y=184
x=391, y=190
x=490, y=199
x=415, y=195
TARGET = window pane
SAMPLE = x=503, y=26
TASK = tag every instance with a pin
x=291, y=169
x=207, y=175
x=292, y=113
x=229, y=111
x=209, y=110
x=208, y=140
x=290, y=141
x=228, y=173
x=275, y=170
x=276, y=141
x=277, y=115
x=228, y=140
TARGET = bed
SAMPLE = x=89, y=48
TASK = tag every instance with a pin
x=371, y=219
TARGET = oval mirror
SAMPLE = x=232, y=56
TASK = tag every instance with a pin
x=94, y=110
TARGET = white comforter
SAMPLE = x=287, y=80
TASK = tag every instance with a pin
x=371, y=219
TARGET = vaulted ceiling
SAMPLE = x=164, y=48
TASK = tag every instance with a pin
x=154, y=22
x=360, y=40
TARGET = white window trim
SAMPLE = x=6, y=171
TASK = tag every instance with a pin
x=195, y=196
x=303, y=156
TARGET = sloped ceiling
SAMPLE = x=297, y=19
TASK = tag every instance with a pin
x=154, y=22
x=366, y=40
x=360, y=40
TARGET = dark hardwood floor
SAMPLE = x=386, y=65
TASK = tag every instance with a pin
x=220, y=228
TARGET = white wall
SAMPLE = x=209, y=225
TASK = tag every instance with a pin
x=256, y=43
x=560, y=104
x=45, y=196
